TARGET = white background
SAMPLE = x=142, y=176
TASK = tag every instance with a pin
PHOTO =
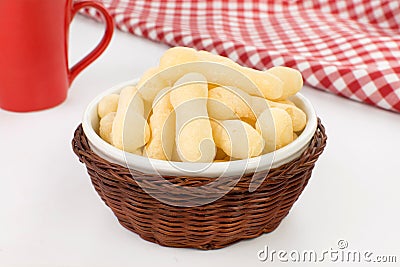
x=50, y=214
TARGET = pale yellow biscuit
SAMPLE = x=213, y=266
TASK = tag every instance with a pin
x=105, y=128
x=162, y=125
x=237, y=138
x=194, y=138
x=107, y=104
x=292, y=80
x=227, y=103
x=299, y=118
x=275, y=126
x=130, y=130
x=267, y=84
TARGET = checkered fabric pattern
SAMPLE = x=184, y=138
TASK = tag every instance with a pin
x=348, y=47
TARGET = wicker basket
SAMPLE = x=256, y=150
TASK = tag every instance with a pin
x=238, y=215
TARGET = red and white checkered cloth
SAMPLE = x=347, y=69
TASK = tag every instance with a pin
x=348, y=47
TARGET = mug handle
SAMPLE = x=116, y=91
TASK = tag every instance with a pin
x=105, y=41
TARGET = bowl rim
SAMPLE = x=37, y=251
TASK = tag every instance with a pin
x=226, y=168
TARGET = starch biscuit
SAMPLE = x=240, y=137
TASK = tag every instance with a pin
x=275, y=126
x=130, y=130
x=194, y=139
x=162, y=125
x=237, y=139
x=105, y=128
x=107, y=104
x=292, y=80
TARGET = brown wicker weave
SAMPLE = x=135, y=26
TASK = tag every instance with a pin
x=237, y=215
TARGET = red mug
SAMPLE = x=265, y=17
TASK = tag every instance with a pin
x=34, y=72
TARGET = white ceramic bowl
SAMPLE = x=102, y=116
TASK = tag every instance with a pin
x=152, y=166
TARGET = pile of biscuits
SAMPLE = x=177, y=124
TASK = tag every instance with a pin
x=200, y=107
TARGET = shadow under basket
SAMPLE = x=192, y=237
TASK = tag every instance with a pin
x=239, y=214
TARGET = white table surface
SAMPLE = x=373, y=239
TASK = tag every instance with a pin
x=50, y=214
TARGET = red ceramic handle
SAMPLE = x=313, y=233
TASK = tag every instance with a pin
x=86, y=61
